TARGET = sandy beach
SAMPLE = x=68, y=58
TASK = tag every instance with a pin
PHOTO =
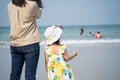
x=94, y=62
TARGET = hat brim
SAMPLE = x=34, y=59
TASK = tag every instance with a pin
x=56, y=37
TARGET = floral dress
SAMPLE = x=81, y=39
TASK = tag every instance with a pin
x=58, y=68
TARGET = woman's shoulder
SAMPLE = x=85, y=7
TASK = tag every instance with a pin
x=10, y=4
x=33, y=3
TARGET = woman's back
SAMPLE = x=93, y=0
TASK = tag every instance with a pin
x=23, y=23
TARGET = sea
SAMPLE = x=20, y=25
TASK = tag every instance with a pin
x=71, y=34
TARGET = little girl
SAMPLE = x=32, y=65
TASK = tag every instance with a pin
x=56, y=56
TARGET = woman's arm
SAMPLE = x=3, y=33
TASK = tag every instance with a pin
x=37, y=11
x=46, y=61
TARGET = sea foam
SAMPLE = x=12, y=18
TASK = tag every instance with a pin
x=90, y=41
x=4, y=44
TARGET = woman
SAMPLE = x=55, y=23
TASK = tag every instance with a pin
x=24, y=37
x=56, y=56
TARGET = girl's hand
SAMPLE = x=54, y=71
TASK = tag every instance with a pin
x=74, y=53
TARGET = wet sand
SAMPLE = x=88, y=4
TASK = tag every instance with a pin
x=94, y=62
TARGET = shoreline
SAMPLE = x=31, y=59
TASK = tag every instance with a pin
x=6, y=44
x=93, y=62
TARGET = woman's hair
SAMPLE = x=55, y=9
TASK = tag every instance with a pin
x=19, y=3
x=22, y=3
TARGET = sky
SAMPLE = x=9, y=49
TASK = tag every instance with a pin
x=72, y=12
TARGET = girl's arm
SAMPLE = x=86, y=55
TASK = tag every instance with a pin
x=69, y=57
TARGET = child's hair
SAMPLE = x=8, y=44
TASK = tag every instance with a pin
x=57, y=42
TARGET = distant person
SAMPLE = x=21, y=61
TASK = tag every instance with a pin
x=91, y=34
x=56, y=56
x=98, y=35
x=24, y=37
x=81, y=31
x=60, y=26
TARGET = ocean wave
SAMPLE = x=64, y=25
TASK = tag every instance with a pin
x=87, y=41
x=4, y=44
x=90, y=41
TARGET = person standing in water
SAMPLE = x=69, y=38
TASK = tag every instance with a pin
x=98, y=35
x=81, y=31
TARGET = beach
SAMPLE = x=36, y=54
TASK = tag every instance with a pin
x=95, y=61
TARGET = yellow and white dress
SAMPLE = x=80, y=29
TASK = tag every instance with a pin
x=58, y=68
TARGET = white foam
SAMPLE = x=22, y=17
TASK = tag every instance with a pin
x=6, y=44
x=90, y=41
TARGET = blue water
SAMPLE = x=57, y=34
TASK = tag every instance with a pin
x=71, y=34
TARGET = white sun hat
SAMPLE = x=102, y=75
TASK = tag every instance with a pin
x=52, y=34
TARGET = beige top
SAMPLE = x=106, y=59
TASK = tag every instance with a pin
x=23, y=23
